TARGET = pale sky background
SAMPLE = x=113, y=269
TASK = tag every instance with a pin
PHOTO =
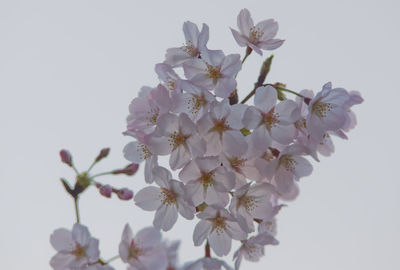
x=69, y=69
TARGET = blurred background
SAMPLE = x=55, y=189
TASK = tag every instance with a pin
x=69, y=69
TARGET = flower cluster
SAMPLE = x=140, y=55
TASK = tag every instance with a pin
x=233, y=162
x=230, y=164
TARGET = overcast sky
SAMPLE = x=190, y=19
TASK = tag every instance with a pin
x=69, y=69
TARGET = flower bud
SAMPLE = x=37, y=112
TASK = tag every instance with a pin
x=131, y=169
x=106, y=191
x=125, y=194
x=66, y=157
x=103, y=154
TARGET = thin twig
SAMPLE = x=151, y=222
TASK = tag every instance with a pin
x=265, y=68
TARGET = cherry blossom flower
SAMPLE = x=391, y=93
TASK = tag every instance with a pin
x=287, y=167
x=75, y=250
x=275, y=120
x=207, y=181
x=214, y=71
x=144, y=251
x=221, y=122
x=195, y=43
x=207, y=264
x=167, y=200
x=252, y=202
x=328, y=110
x=181, y=137
x=145, y=109
x=196, y=101
x=172, y=254
x=136, y=152
x=166, y=74
x=253, y=248
x=219, y=227
x=257, y=37
x=239, y=158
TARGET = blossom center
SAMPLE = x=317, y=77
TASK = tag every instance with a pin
x=144, y=152
x=220, y=125
x=321, y=109
x=237, y=163
x=219, y=224
x=255, y=34
x=249, y=203
x=176, y=139
x=171, y=85
x=214, y=73
x=79, y=251
x=288, y=162
x=190, y=49
x=207, y=179
x=196, y=103
x=135, y=251
x=168, y=197
x=152, y=116
x=270, y=119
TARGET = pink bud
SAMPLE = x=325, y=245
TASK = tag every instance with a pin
x=125, y=194
x=106, y=191
x=66, y=157
x=307, y=100
x=131, y=169
x=103, y=153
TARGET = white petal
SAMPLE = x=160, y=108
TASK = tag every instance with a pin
x=231, y=65
x=265, y=98
x=201, y=232
x=179, y=157
x=148, y=237
x=162, y=176
x=241, y=40
x=149, y=198
x=176, y=56
x=165, y=217
x=251, y=118
x=191, y=32
x=186, y=210
x=268, y=27
x=271, y=44
x=245, y=22
x=224, y=87
x=220, y=242
x=81, y=234
x=288, y=112
x=303, y=167
x=61, y=239
x=61, y=261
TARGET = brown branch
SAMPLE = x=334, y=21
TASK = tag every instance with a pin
x=265, y=68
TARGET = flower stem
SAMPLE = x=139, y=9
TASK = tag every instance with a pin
x=289, y=91
x=265, y=68
x=111, y=259
x=91, y=166
x=207, y=250
x=100, y=174
x=75, y=169
x=76, y=209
